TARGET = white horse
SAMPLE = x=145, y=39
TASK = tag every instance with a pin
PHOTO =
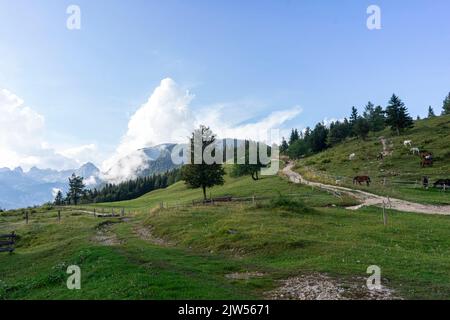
x=415, y=151
x=352, y=156
x=407, y=143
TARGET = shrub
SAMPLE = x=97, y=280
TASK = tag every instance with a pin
x=289, y=204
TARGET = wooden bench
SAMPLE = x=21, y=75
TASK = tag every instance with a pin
x=7, y=242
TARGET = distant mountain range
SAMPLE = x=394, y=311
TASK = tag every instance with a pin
x=19, y=189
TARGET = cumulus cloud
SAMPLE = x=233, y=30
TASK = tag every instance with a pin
x=81, y=154
x=167, y=117
x=257, y=131
x=22, y=142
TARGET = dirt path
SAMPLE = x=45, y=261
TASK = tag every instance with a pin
x=387, y=149
x=369, y=199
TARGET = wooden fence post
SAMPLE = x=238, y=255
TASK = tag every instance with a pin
x=253, y=199
x=123, y=212
x=26, y=217
x=95, y=214
x=384, y=214
x=59, y=215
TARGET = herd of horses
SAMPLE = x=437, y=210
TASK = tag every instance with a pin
x=426, y=159
x=441, y=183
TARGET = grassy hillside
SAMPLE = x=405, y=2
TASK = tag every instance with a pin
x=190, y=252
x=398, y=175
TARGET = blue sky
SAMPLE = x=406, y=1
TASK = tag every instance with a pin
x=251, y=57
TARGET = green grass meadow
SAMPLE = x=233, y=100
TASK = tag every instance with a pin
x=307, y=231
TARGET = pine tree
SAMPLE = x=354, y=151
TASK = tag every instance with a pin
x=353, y=118
x=76, y=188
x=319, y=138
x=202, y=175
x=362, y=128
x=397, y=116
x=431, y=112
x=284, y=146
x=59, y=198
x=294, y=136
x=339, y=131
x=353, y=115
x=375, y=117
x=446, y=105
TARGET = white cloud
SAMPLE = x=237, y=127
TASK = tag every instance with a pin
x=22, y=143
x=252, y=130
x=81, y=154
x=167, y=117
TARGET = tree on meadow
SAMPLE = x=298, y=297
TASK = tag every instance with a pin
x=338, y=132
x=59, y=198
x=298, y=149
x=76, y=188
x=361, y=128
x=397, y=116
x=431, y=113
x=353, y=118
x=318, y=138
x=294, y=136
x=375, y=117
x=200, y=173
x=446, y=105
x=284, y=146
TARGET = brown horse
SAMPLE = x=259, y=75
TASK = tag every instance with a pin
x=426, y=159
x=361, y=179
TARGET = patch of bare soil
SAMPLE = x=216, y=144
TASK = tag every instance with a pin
x=146, y=234
x=388, y=147
x=322, y=287
x=244, y=275
x=105, y=236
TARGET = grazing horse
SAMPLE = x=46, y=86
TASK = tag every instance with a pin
x=407, y=143
x=427, y=159
x=442, y=183
x=415, y=151
x=361, y=179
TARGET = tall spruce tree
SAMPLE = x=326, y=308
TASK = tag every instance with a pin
x=319, y=138
x=294, y=136
x=353, y=118
x=284, y=146
x=375, y=117
x=59, y=198
x=202, y=174
x=361, y=128
x=397, y=116
x=76, y=188
x=431, y=113
x=446, y=105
